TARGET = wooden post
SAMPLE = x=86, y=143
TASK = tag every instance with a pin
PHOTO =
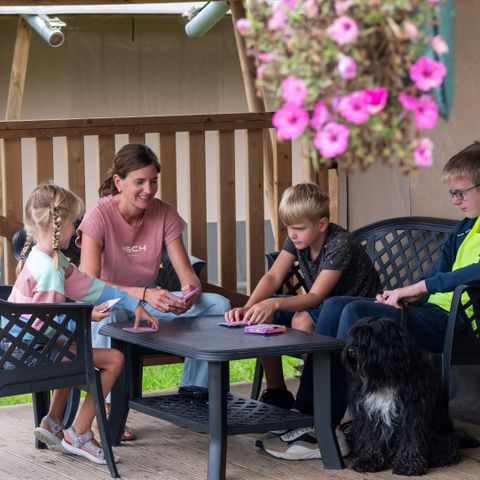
x=256, y=104
x=19, y=70
x=12, y=197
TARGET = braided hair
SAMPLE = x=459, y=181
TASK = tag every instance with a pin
x=130, y=157
x=48, y=206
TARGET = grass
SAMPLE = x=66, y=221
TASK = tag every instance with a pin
x=164, y=377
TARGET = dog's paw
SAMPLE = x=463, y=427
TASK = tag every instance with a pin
x=412, y=467
x=369, y=464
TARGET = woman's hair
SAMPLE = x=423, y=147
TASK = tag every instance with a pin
x=304, y=201
x=48, y=204
x=465, y=164
x=130, y=157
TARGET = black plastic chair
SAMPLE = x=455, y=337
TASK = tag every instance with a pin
x=33, y=362
x=402, y=250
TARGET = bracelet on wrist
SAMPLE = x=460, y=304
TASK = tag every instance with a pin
x=143, y=296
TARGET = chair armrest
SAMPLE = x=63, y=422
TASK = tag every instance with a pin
x=167, y=277
x=464, y=312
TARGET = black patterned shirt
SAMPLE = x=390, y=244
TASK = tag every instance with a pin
x=340, y=251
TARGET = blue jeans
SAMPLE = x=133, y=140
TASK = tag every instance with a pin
x=426, y=323
x=195, y=372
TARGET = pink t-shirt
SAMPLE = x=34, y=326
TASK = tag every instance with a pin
x=131, y=255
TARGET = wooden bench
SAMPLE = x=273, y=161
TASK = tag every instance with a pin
x=402, y=250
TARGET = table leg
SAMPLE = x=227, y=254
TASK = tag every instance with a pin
x=120, y=395
x=322, y=401
x=217, y=419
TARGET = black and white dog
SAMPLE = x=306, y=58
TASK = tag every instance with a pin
x=399, y=417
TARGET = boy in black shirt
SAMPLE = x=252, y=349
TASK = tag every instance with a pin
x=332, y=262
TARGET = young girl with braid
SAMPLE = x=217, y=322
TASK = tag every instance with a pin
x=47, y=276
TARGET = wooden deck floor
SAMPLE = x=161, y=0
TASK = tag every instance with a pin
x=167, y=452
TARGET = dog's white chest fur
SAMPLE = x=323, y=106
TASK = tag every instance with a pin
x=383, y=405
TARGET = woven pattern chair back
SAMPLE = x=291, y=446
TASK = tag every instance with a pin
x=403, y=249
x=44, y=346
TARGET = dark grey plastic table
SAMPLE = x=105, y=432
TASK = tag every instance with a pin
x=224, y=413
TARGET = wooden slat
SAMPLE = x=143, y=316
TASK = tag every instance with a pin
x=12, y=196
x=8, y=227
x=110, y=126
x=136, y=137
x=76, y=166
x=255, y=242
x=168, y=175
x=197, y=226
x=226, y=218
x=44, y=160
x=106, y=154
x=282, y=177
x=333, y=194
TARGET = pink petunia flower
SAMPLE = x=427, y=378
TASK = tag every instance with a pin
x=343, y=30
x=311, y=8
x=290, y=121
x=427, y=73
x=332, y=140
x=347, y=68
x=320, y=116
x=294, y=90
x=353, y=107
x=278, y=18
x=342, y=6
x=439, y=45
x=423, y=152
x=425, y=112
x=408, y=102
x=266, y=57
x=243, y=25
x=290, y=4
x=376, y=99
x=410, y=30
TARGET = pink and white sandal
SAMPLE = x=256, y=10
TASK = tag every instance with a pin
x=47, y=433
x=83, y=446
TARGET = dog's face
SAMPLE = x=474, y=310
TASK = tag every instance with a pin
x=378, y=351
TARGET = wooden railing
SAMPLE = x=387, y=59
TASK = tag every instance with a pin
x=162, y=137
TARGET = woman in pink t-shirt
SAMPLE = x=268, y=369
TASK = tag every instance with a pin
x=122, y=237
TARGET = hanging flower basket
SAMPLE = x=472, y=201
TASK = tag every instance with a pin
x=351, y=77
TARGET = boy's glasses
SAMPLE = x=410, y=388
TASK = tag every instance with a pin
x=460, y=194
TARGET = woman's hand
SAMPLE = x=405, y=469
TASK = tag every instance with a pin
x=235, y=314
x=407, y=294
x=261, y=312
x=98, y=316
x=164, y=301
x=192, y=298
x=142, y=314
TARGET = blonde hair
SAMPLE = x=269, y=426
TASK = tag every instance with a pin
x=465, y=164
x=304, y=201
x=48, y=204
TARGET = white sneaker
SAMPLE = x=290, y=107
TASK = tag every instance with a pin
x=301, y=444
